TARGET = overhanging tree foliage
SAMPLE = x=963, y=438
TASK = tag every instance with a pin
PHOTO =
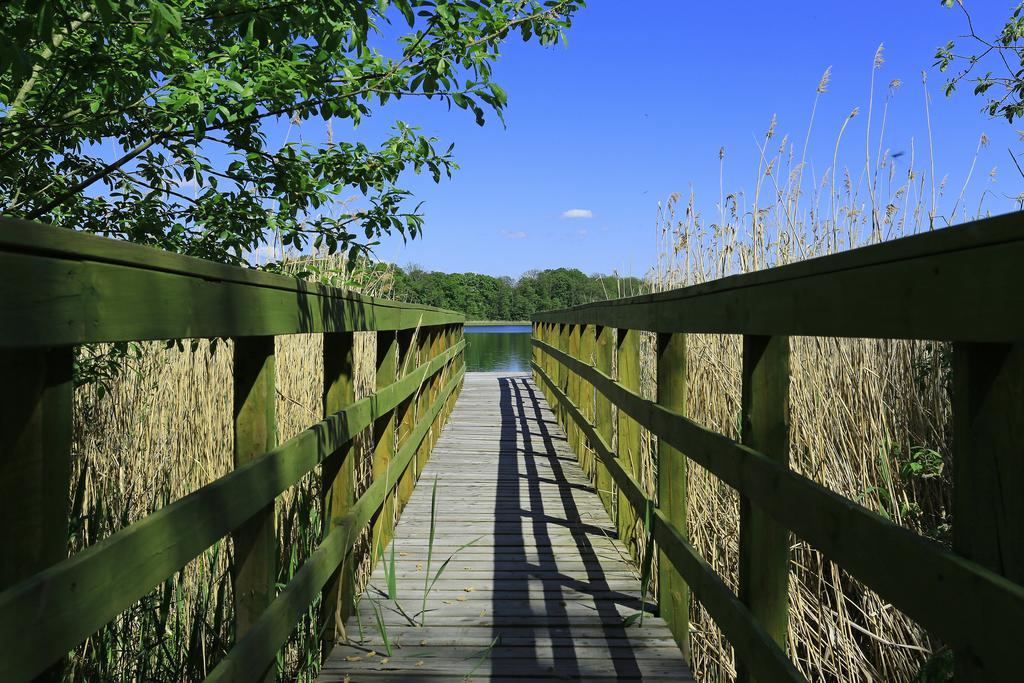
x=148, y=120
x=1003, y=87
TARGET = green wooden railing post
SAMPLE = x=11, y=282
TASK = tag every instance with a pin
x=764, y=543
x=586, y=397
x=35, y=442
x=535, y=355
x=573, y=432
x=563, y=375
x=453, y=367
x=405, y=413
x=255, y=542
x=337, y=482
x=604, y=359
x=423, y=397
x=384, y=439
x=552, y=366
x=628, y=446
x=988, y=468
x=674, y=594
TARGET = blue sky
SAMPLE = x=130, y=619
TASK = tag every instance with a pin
x=641, y=100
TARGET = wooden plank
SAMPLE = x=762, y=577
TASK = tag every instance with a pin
x=988, y=470
x=61, y=287
x=337, y=483
x=544, y=559
x=571, y=432
x=384, y=441
x=673, y=593
x=405, y=412
x=35, y=440
x=953, y=284
x=627, y=364
x=917, y=575
x=35, y=429
x=764, y=543
x=604, y=359
x=588, y=342
x=254, y=560
x=75, y=597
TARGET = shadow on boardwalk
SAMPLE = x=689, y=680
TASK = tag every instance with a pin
x=544, y=592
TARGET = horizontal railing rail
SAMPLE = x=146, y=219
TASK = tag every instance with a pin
x=964, y=285
x=61, y=288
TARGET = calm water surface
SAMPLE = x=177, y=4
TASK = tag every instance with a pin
x=500, y=348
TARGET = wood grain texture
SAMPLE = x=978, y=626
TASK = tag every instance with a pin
x=254, y=560
x=674, y=594
x=956, y=284
x=988, y=469
x=546, y=581
x=764, y=543
x=337, y=482
x=61, y=288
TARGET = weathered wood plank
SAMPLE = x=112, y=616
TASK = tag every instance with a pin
x=953, y=284
x=674, y=594
x=627, y=445
x=764, y=543
x=988, y=470
x=337, y=483
x=544, y=561
x=62, y=287
x=254, y=565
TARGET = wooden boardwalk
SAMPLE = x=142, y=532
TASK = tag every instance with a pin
x=545, y=592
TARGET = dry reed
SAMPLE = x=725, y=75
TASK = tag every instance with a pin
x=161, y=428
x=870, y=418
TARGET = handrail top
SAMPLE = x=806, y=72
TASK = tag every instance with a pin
x=19, y=236
x=1003, y=230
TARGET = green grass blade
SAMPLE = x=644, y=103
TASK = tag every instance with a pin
x=430, y=552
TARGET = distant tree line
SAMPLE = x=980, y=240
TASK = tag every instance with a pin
x=484, y=297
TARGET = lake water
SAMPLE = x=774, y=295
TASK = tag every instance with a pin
x=497, y=348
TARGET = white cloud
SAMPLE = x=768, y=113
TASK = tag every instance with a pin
x=578, y=213
x=514, y=235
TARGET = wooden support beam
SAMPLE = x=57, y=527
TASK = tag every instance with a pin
x=588, y=342
x=628, y=447
x=254, y=570
x=35, y=449
x=572, y=431
x=338, y=483
x=423, y=398
x=384, y=440
x=988, y=469
x=405, y=413
x=764, y=543
x=604, y=361
x=674, y=594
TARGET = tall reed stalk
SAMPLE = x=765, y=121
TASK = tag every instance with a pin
x=870, y=418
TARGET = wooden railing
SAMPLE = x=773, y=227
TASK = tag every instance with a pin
x=964, y=285
x=58, y=289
